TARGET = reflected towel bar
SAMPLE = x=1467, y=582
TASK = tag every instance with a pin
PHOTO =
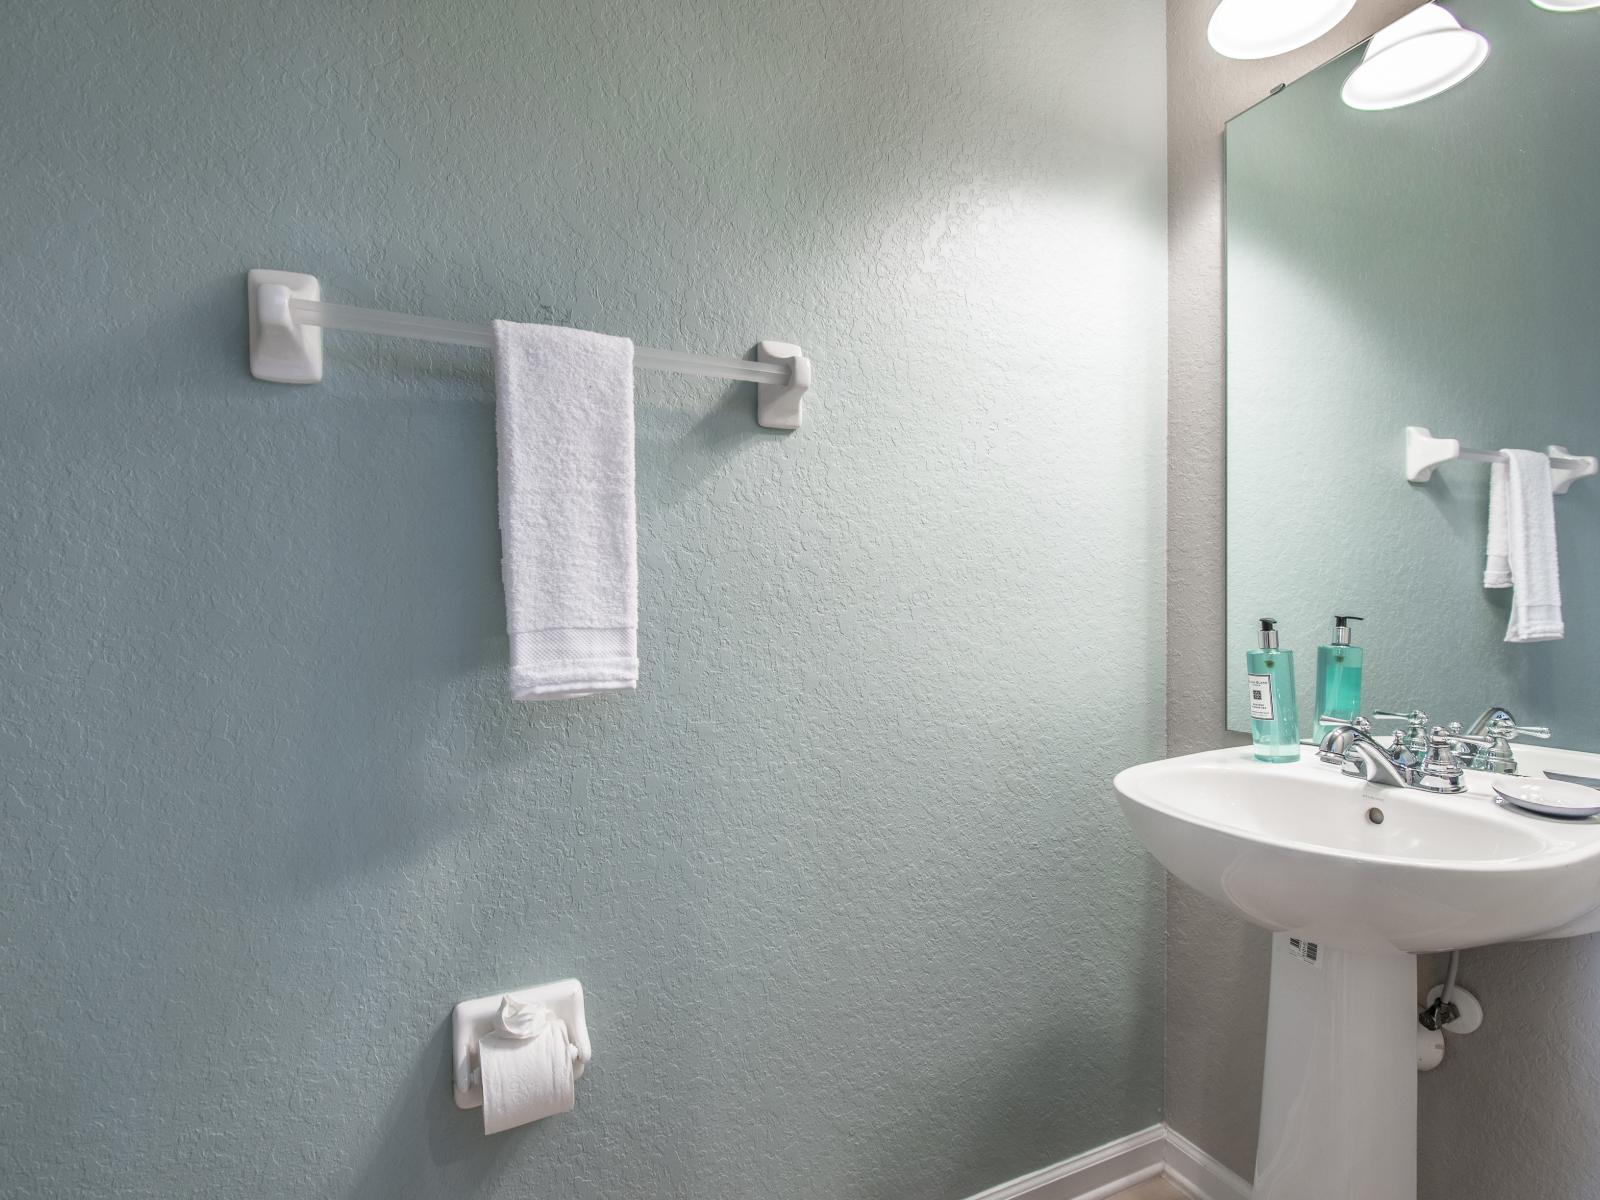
x=1424, y=452
x=288, y=315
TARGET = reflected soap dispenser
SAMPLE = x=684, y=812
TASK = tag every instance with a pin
x=1274, y=715
x=1338, y=677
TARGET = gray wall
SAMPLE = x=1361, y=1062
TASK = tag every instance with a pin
x=853, y=918
x=1512, y=1111
x=1216, y=964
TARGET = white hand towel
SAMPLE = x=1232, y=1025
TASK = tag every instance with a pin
x=568, y=540
x=1497, y=561
x=1530, y=525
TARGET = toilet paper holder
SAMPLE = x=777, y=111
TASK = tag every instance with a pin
x=475, y=1018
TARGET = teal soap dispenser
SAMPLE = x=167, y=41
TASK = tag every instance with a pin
x=1274, y=715
x=1338, y=677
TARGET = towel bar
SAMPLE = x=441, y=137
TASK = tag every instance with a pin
x=288, y=315
x=1424, y=452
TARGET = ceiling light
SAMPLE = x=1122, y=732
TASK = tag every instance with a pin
x=1567, y=5
x=1262, y=28
x=1422, y=54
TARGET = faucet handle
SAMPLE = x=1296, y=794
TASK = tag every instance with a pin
x=1441, y=770
x=1416, y=734
x=1500, y=730
x=1359, y=723
x=1505, y=727
x=1415, y=717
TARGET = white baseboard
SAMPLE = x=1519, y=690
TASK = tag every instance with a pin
x=1093, y=1175
x=1103, y=1172
x=1197, y=1173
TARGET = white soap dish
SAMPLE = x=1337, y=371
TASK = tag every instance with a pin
x=1550, y=797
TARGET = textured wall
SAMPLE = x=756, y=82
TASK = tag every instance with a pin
x=1216, y=965
x=856, y=914
x=1512, y=1111
x=1459, y=294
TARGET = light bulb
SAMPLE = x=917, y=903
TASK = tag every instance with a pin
x=1262, y=28
x=1422, y=54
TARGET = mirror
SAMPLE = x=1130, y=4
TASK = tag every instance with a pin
x=1435, y=265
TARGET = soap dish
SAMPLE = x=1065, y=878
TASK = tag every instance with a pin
x=1550, y=797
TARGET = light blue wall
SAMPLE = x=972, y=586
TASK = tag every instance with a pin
x=854, y=909
x=1436, y=266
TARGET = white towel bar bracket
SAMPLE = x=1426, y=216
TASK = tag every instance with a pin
x=282, y=350
x=1424, y=452
x=1561, y=478
x=288, y=315
x=781, y=405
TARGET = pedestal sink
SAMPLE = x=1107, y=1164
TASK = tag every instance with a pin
x=1354, y=880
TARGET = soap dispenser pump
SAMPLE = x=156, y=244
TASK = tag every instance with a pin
x=1338, y=677
x=1274, y=715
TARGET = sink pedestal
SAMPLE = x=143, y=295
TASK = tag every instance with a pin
x=1375, y=874
x=1339, y=1099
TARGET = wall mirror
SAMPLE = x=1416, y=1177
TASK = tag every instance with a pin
x=1437, y=265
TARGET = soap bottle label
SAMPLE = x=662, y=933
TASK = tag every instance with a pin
x=1260, y=697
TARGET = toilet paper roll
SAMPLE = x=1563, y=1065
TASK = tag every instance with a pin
x=525, y=1079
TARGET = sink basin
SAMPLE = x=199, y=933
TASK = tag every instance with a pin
x=1354, y=879
x=1298, y=847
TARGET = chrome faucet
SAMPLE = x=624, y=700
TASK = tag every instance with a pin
x=1437, y=768
x=1495, y=712
x=1500, y=728
x=1414, y=739
x=1442, y=769
x=1351, y=746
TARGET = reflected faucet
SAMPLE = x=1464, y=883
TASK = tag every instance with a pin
x=1499, y=729
x=1495, y=712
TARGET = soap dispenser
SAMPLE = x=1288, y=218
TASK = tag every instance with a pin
x=1338, y=677
x=1274, y=716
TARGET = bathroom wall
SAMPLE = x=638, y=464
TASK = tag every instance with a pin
x=1216, y=964
x=854, y=909
x=1511, y=1111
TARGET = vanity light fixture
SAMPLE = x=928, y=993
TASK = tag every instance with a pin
x=1422, y=54
x=1263, y=28
x=1567, y=6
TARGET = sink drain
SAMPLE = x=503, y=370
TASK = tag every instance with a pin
x=1375, y=815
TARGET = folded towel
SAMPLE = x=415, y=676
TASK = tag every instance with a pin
x=564, y=423
x=1530, y=547
x=1497, y=561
